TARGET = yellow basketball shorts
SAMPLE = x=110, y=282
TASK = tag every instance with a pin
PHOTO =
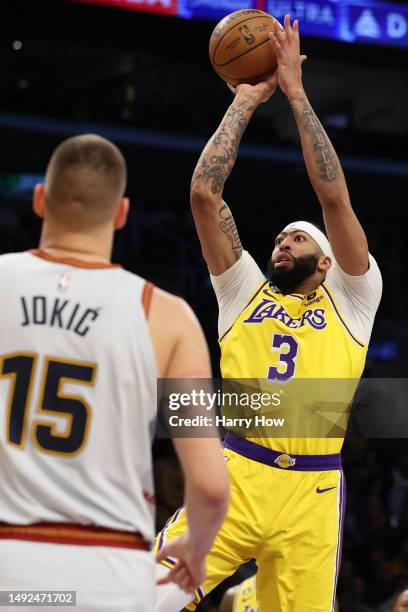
x=287, y=513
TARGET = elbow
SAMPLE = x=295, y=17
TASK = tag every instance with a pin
x=201, y=197
x=220, y=497
x=334, y=199
x=216, y=494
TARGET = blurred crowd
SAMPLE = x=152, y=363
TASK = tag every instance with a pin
x=375, y=548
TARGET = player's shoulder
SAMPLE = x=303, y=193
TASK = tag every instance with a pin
x=368, y=285
x=126, y=275
x=9, y=262
x=172, y=318
x=356, y=298
x=373, y=271
x=8, y=258
x=170, y=306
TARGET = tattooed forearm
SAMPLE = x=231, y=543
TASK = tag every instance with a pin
x=211, y=214
x=227, y=225
x=219, y=156
x=324, y=154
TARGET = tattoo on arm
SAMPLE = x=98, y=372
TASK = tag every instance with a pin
x=325, y=156
x=227, y=225
x=218, y=157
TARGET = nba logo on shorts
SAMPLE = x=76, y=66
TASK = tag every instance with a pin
x=285, y=461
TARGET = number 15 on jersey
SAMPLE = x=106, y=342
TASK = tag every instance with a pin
x=52, y=401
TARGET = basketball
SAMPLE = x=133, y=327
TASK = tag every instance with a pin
x=240, y=50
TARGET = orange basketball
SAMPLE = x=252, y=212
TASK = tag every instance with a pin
x=240, y=50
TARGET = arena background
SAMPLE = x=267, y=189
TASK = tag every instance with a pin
x=145, y=81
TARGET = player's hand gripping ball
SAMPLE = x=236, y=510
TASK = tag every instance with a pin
x=240, y=49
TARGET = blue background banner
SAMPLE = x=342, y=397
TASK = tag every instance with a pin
x=363, y=21
x=359, y=21
x=321, y=18
x=387, y=24
x=213, y=9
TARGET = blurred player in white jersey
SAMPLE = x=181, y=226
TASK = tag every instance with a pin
x=82, y=344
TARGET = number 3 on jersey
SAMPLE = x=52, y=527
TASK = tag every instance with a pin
x=288, y=348
x=53, y=401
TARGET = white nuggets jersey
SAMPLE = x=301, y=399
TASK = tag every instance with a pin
x=77, y=395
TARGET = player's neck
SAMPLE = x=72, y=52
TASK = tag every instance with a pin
x=304, y=288
x=95, y=247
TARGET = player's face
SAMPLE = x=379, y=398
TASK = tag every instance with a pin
x=294, y=258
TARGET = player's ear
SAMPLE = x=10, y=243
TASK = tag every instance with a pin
x=39, y=200
x=122, y=213
x=325, y=263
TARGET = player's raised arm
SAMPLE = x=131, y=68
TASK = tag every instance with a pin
x=182, y=353
x=215, y=224
x=346, y=235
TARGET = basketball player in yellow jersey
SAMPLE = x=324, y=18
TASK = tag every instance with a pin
x=311, y=319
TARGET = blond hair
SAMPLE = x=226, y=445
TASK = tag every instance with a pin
x=85, y=181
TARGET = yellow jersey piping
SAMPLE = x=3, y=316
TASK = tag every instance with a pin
x=336, y=310
x=251, y=299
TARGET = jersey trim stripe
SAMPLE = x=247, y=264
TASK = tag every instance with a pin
x=341, y=512
x=244, y=308
x=361, y=344
x=172, y=519
x=298, y=297
x=67, y=533
x=76, y=263
x=199, y=593
x=147, y=297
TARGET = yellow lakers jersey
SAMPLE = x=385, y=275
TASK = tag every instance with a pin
x=245, y=596
x=287, y=338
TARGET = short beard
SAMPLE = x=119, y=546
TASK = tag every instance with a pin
x=287, y=280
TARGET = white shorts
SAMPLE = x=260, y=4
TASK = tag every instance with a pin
x=104, y=578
